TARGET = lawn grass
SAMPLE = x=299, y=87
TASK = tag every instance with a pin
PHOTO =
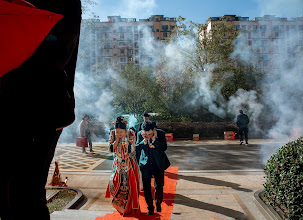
x=61, y=200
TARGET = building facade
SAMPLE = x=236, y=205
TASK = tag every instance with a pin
x=272, y=36
x=122, y=40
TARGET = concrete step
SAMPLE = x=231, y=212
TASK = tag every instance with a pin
x=73, y=214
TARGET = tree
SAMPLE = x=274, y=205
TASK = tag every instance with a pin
x=229, y=73
x=136, y=90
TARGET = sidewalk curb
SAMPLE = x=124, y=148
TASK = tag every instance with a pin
x=75, y=202
x=267, y=211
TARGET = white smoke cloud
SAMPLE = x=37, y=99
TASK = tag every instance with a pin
x=124, y=8
x=211, y=98
x=281, y=8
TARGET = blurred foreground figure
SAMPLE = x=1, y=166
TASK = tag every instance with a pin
x=37, y=102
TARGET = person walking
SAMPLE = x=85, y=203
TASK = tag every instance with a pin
x=146, y=117
x=242, y=124
x=124, y=184
x=151, y=144
x=86, y=130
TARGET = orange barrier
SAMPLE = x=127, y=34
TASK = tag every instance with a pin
x=229, y=135
x=169, y=136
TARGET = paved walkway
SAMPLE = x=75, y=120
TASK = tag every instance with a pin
x=216, y=179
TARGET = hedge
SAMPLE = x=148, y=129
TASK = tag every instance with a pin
x=284, y=179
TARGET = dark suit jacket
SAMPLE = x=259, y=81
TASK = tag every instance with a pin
x=157, y=153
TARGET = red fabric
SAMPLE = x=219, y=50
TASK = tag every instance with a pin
x=169, y=189
x=23, y=28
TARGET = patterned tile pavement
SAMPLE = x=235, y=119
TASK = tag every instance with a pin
x=71, y=158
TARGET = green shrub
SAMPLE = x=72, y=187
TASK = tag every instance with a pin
x=284, y=179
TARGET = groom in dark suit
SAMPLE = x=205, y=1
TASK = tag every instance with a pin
x=151, y=144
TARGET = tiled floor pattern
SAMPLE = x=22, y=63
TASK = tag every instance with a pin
x=71, y=158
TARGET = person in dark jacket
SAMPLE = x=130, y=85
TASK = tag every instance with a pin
x=146, y=117
x=152, y=160
x=37, y=102
x=242, y=124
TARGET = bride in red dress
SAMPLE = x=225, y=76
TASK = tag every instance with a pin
x=124, y=184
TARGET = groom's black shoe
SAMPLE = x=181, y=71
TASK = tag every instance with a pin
x=151, y=211
x=158, y=207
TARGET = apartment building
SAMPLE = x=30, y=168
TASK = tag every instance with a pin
x=121, y=40
x=272, y=36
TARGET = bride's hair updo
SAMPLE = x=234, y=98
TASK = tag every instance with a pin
x=120, y=123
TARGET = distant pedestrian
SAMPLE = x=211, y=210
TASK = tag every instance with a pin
x=86, y=130
x=242, y=124
x=146, y=117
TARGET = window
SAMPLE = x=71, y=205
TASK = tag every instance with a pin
x=157, y=30
x=122, y=44
x=262, y=27
x=136, y=52
x=107, y=60
x=136, y=36
x=115, y=54
x=237, y=27
x=106, y=36
x=164, y=35
x=164, y=27
x=135, y=29
x=129, y=29
x=248, y=27
x=122, y=51
x=276, y=27
x=255, y=27
x=282, y=27
x=129, y=36
x=172, y=27
x=276, y=34
x=151, y=28
x=107, y=45
x=122, y=59
x=136, y=45
x=157, y=19
x=300, y=27
x=263, y=34
x=263, y=42
x=243, y=27
x=293, y=27
x=122, y=36
x=107, y=52
x=122, y=29
x=107, y=29
x=114, y=39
